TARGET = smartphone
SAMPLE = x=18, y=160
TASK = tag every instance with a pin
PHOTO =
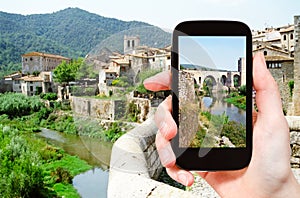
x=212, y=95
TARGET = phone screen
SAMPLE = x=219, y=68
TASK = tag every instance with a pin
x=212, y=91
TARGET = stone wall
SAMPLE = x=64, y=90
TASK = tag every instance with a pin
x=135, y=164
x=188, y=109
x=142, y=106
x=283, y=76
x=98, y=108
x=294, y=123
x=296, y=94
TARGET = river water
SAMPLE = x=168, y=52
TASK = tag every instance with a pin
x=92, y=183
x=216, y=105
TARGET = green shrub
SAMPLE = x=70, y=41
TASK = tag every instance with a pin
x=49, y=96
x=114, y=132
x=21, y=175
x=17, y=105
x=291, y=87
x=243, y=90
x=236, y=132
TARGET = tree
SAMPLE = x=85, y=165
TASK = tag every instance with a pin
x=66, y=72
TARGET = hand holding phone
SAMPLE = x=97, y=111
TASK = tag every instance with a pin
x=209, y=60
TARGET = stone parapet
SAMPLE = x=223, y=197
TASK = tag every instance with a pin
x=135, y=164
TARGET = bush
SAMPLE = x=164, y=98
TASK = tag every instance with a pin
x=291, y=86
x=114, y=132
x=20, y=173
x=236, y=132
x=49, y=96
x=243, y=90
x=18, y=105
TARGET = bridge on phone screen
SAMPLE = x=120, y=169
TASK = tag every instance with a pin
x=215, y=77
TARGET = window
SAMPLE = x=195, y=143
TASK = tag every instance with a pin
x=265, y=53
x=284, y=37
x=128, y=43
x=132, y=42
x=291, y=36
x=31, y=59
x=31, y=88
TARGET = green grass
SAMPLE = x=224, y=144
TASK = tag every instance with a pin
x=238, y=101
x=66, y=190
x=71, y=163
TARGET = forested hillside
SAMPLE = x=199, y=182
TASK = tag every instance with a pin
x=71, y=32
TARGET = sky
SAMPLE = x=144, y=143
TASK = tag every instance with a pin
x=166, y=14
x=210, y=51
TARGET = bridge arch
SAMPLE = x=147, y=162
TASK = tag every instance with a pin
x=223, y=80
x=210, y=81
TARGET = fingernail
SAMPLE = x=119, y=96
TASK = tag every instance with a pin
x=183, y=179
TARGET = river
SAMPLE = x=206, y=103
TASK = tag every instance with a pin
x=92, y=183
x=216, y=105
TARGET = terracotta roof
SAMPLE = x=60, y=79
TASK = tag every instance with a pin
x=13, y=75
x=45, y=55
x=121, y=61
x=271, y=48
x=278, y=58
x=287, y=29
x=32, y=78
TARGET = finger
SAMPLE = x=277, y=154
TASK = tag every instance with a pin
x=164, y=120
x=159, y=82
x=165, y=152
x=267, y=94
x=182, y=176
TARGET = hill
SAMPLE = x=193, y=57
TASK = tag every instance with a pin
x=71, y=32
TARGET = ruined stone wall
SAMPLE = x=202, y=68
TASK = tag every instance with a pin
x=295, y=146
x=283, y=76
x=294, y=124
x=102, y=109
x=141, y=105
x=188, y=109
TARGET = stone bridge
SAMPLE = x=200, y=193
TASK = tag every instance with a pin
x=225, y=78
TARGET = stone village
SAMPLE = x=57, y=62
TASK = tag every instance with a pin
x=279, y=45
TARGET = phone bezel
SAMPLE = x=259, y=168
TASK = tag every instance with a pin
x=216, y=158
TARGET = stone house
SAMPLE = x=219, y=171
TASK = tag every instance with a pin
x=38, y=62
x=41, y=65
x=282, y=70
x=32, y=85
x=271, y=51
x=281, y=37
x=12, y=82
